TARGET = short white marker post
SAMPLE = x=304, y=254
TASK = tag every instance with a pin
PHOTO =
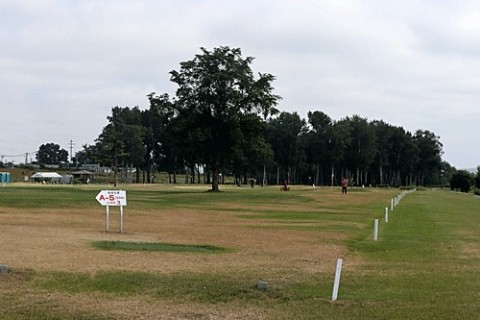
x=386, y=214
x=391, y=205
x=375, y=230
x=336, y=282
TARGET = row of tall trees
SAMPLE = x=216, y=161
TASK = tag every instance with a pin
x=223, y=120
x=367, y=152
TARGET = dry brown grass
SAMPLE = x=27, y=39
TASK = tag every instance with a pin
x=59, y=240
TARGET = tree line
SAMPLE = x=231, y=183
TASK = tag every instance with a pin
x=223, y=121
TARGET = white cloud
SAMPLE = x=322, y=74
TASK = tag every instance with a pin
x=414, y=64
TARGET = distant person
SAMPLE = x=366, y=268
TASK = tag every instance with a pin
x=344, y=185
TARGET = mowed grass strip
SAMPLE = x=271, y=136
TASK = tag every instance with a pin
x=36, y=196
x=145, y=196
x=157, y=246
x=425, y=264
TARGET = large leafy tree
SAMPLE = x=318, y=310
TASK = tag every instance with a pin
x=120, y=142
x=430, y=152
x=81, y=157
x=51, y=153
x=462, y=180
x=217, y=89
x=127, y=122
x=383, y=132
x=338, y=143
x=319, y=138
x=108, y=148
x=284, y=135
x=157, y=146
x=253, y=151
x=404, y=156
x=362, y=148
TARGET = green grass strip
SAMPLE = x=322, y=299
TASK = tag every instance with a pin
x=157, y=246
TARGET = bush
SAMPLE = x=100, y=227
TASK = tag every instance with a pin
x=462, y=180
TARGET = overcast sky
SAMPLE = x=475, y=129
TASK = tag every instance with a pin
x=414, y=64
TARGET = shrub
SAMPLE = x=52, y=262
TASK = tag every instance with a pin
x=461, y=180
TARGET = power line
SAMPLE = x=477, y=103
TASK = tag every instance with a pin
x=3, y=156
x=17, y=155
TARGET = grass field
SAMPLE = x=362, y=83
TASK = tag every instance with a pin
x=190, y=254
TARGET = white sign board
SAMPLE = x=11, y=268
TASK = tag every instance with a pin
x=112, y=198
x=108, y=198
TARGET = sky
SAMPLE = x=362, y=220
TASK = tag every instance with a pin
x=64, y=64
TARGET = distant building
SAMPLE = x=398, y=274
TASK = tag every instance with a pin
x=95, y=168
x=83, y=176
x=4, y=177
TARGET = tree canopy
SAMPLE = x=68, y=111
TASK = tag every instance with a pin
x=51, y=154
x=221, y=100
x=223, y=120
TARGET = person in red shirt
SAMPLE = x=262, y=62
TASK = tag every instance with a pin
x=344, y=185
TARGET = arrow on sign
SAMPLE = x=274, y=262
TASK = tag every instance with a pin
x=112, y=198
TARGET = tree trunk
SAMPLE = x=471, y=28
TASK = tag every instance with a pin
x=116, y=168
x=381, y=172
x=192, y=173
x=208, y=173
x=264, y=179
x=198, y=174
x=278, y=175
x=333, y=175
x=215, y=174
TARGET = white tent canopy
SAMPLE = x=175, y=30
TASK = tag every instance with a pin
x=51, y=177
x=46, y=175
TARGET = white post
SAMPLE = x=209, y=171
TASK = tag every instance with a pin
x=386, y=214
x=391, y=205
x=121, y=219
x=336, y=282
x=107, y=218
x=375, y=230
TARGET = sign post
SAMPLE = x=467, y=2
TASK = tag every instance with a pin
x=107, y=218
x=121, y=219
x=117, y=198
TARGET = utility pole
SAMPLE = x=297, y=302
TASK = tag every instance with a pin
x=71, y=144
